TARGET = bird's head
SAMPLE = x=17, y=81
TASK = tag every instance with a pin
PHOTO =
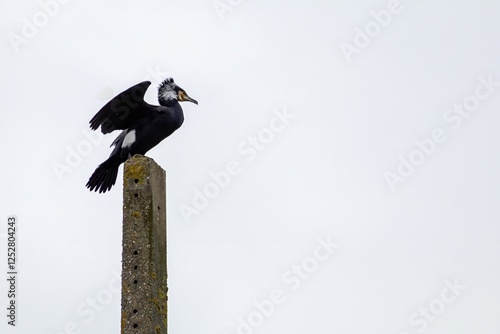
x=168, y=91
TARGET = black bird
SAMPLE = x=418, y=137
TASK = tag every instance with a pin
x=143, y=125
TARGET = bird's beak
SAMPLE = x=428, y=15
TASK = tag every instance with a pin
x=184, y=97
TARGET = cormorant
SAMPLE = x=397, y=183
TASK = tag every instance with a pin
x=143, y=125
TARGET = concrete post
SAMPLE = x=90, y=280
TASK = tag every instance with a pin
x=144, y=258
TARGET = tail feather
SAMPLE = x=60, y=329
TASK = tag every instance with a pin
x=104, y=177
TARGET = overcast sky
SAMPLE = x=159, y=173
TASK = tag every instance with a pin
x=339, y=175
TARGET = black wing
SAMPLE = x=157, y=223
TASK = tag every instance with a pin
x=123, y=110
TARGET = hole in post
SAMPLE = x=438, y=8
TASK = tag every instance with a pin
x=135, y=267
x=136, y=180
x=136, y=252
x=158, y=207
x=135, y=281
x=135, y=311
x=136, y=195
x=135, y=325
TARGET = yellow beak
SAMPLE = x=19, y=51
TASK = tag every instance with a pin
x=184, y=97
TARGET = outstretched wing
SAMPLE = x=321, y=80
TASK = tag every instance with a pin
x=123, y=110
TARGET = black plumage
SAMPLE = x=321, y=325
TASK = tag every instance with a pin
x=143, y=125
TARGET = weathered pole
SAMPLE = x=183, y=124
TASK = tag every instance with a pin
x=144, y=257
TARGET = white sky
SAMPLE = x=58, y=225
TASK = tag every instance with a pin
x=321, y=175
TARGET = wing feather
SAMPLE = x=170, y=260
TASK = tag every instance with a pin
x=123, y=110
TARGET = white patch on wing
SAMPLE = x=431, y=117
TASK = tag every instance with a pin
x=129, y=139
